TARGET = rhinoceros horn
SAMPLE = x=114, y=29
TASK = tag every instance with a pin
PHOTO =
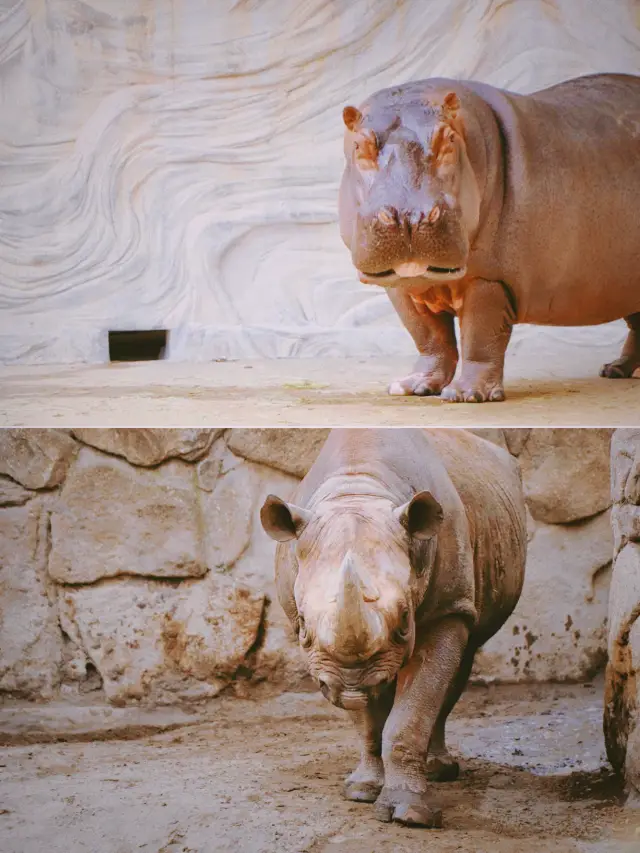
x=356, y=626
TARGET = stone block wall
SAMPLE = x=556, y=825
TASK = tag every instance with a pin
x=622, y=694
x=132, y=561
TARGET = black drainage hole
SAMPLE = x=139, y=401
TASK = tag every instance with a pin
x=148, y=345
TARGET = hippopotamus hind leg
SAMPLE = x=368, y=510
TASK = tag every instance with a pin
x=629, y=361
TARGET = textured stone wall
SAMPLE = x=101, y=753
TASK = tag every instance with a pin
x=175, y=163
x=133, y=561
x=622, y=695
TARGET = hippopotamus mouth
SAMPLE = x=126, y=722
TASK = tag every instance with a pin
x=408, y=271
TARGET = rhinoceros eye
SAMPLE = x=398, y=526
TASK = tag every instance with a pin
x=401, y=634
x=303, y=634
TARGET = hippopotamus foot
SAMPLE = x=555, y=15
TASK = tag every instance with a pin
x=418, y=385
x=442, y=767
x=461, y=391
x=430, y=375
x=408, y=808
x=622, y=368
x=366, y=781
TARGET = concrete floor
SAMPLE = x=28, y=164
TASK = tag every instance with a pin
x=303, y=392
x=266, y=777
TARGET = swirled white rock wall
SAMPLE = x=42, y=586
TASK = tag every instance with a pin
x=175, y=163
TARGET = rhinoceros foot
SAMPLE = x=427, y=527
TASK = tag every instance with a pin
x=622, y=368
x=407, y=808
x=366, y=781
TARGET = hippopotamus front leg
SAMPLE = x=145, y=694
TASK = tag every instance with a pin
x=435, y=339
x=366, y=781
x=486, y=320
x=629, y=361
x=421, y=694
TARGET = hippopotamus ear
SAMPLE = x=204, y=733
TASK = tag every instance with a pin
x=281, y=521
x=351, y=117
x=421, y=516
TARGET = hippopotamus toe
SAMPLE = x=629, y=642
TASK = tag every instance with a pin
x=418, y=385
x=459, y=392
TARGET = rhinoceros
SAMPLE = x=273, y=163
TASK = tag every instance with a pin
x=401, y=552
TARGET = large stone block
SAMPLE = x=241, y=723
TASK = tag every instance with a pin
x=233, y=492
x=30, y=639
x=150, y=447
x=165, y=642
x=113, y=519
x=290, y=450
x=558, y=629
x=36, y=458
x=566, y=473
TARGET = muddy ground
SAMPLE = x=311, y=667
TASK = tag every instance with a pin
x=247, y=775
x=541, y=391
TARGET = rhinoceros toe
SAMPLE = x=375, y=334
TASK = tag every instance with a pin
x=407, y=808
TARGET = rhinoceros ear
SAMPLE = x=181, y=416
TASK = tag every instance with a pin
x=421, y=516
x=281, y=521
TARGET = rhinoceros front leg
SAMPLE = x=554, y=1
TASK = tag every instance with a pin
x=629, y=362
x=435, y=339
x=366, y=781
x=486, y=321
x=421, y=693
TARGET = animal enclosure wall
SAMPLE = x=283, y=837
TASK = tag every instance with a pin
x=174, y=164
x=132, y=562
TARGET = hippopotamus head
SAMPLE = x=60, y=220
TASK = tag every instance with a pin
x=361, y=569
x=409, y=202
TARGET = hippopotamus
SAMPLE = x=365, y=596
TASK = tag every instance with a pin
x=466, y=200
x=400, y=553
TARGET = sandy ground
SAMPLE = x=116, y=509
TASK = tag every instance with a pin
x=266, y=776
x=304, y=392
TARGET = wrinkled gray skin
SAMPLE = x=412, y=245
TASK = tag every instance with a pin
x=470, y=201
x=401, y=552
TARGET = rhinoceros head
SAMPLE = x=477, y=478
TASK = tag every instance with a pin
x=409, y=201
x=362, y=569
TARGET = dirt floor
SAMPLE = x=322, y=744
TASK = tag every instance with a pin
x=305, y=392
x=266, y=775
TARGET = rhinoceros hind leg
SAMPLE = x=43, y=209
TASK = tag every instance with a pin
x=628, y=364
